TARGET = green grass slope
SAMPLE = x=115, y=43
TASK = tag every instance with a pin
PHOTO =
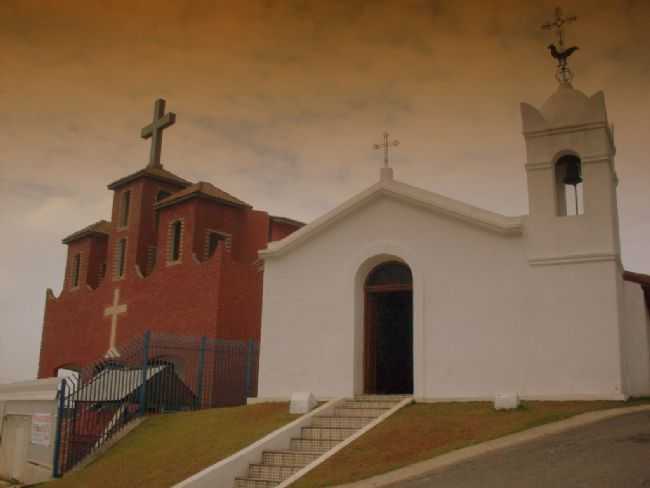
x=166, y=449
x=425, y=430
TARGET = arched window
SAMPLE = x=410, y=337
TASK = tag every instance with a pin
x=390, y=274
x=175, y=241
x=120, y=258
x=568, y=186
x=76, y=270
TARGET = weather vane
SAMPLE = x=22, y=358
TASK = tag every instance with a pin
x=386, y=146
x=563, y=73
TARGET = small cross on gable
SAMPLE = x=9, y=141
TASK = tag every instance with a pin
x=386, y=172
x=386, y=145
x=161, y=121
x=113, y=311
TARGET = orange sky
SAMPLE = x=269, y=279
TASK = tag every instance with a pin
x=279, y=102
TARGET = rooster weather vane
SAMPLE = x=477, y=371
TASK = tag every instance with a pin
x=563, y=73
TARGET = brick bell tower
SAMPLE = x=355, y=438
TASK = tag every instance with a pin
x=176, y=257
x=134, y=227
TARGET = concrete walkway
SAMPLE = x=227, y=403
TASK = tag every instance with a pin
x=610, y=453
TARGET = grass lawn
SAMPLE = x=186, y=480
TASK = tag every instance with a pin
x=166, y=449
x=422, y=431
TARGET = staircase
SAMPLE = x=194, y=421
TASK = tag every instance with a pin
x=324, y=433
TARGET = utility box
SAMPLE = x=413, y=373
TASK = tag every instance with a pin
x=27, y=430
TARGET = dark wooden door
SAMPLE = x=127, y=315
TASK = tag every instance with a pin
x=388, y=330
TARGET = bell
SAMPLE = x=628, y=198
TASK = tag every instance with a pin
x=572, y=176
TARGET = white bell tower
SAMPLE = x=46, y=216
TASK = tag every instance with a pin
x=571, y=179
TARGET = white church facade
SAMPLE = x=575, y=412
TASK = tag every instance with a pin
x=401, y=290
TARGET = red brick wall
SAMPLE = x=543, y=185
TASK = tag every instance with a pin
x=219, y=297
x=227, y=219
x=182, y=299
x=96, y=259
x=280, y=230
x=147, y=218
x=81, y=247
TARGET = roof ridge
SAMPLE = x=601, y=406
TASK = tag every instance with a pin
x=487, y=219
x=206, y=189
x=99, y=227
x=160, y=173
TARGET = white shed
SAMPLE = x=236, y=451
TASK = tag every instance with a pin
x=27, y=429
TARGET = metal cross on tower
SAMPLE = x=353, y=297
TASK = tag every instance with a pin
x=557, y=24
x=161, y=121
x=563, y=74
x=386, y=146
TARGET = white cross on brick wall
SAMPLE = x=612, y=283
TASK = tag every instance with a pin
x=113, y=312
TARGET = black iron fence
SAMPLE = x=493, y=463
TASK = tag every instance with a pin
x=156, y=373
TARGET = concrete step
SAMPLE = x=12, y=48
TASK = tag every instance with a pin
x=254, y=483
x=359, y=412
x=289, y=458
x=348, y=422
x=270, y=472
x=329, y=433
x=369, y=404
x=380, y=398
x=320, y=445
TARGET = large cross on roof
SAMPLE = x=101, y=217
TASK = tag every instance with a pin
x=161, y=121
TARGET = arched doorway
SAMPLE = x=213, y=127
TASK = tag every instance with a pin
x=388, y=324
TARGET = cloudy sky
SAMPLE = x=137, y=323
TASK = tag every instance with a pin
x=279, y=102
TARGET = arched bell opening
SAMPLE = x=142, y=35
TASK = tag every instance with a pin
x=569, y=185
x=388, y=329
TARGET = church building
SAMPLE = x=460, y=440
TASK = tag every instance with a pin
x=399, y=290
x=176, y=257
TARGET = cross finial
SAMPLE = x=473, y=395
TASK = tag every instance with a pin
x=161, y=121
x=564, y=74
x=557, y=25
x=386, y=147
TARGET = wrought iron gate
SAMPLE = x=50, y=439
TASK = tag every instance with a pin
x=157, y=373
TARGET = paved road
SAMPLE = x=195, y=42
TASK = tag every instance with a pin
x=613, y=453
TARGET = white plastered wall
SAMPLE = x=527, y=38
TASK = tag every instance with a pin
x=636, y=341
x=485, y=320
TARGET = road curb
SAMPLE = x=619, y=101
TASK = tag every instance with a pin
x=466, y=453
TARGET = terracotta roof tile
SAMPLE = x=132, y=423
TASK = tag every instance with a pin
x=101, y=227
x=202, y=189
x=286, y=220
x=156, y=173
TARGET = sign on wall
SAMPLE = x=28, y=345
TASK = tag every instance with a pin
x=41, y=429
